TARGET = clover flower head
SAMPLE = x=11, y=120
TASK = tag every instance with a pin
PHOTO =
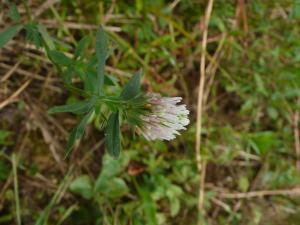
x=163, y=118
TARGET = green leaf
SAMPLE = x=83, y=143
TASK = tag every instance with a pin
x=67, y=75
x=111, y=168
x=110, y=80
x=78, y=107
x=260, y=85
x=82, y=47
x=46, y=37
x=149, y=205
x=90, y=82
x=173, y=192
x=4, y=170
x=102, y=54
x=62, y=44
x=8, y=34
x=77, y=132
x=263, y=142
x=59, y=58
x=112, y=134
x=33, y=35
x=4, y=135
x=79, y=70
x=14, y=13
x=117, y=188
x=92, y=61
x=76, y=91
x=82, y=186
x=112, y=187
x=132, y=87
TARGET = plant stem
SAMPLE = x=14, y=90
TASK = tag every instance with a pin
x=16, y=189
x=201, y=168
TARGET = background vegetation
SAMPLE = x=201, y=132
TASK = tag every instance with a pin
x=250, y=137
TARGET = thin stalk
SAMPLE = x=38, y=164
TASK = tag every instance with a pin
x=16, y=189
x=200, y=106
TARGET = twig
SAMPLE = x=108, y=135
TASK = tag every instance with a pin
x=24, y=72
x=255, y=194
x=78, y=26
x=13, y=97
x=200, y=101
x=109, y=12
x=10, y=72
x=241, y=12
x=218, y=202
x=46, y=5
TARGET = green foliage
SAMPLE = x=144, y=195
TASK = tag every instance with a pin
x=9, y=33
x=249, y=112
x=14, y=13
x=112, y=188
x=102, y=54
x=112, y=135
x=94, y=78
x=92, y=75
x=132, y=87
x=4, y=170
x=59, y=58
x=78, y=107
x=33, y=35
x=82, y=47
x=262, y=142
x=77, y=132
x=107, y=185
x=4, y=135
x=148, y=205
x=82, y=186
x=46, y=37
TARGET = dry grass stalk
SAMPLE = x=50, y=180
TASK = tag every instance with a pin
x=13, y=97
x=263, y=193
x=296, y=137
x=200, y=106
